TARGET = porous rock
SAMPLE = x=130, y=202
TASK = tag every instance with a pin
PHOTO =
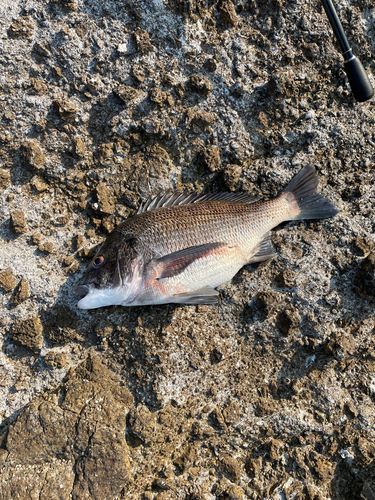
x=230, y=467
x=200, y=84
x=31, y=156
x=46, y=247
x=286, y=278
x=126, y=93
x=105, y=199
x=55, y=359
x=142, y=41
x=38, y=87
x=288, y=320
x=21, y=293
x=232, y=174
x=17, y=222
x=340, y=345
x=65, y=109
x=28, y=333
x=7, y=280
x=227, y=12
x=21, y=27
x=4, y=178
x=209, y=159
x=256, y=90
x=142, y=424
x=66, y=5
x=201, y=118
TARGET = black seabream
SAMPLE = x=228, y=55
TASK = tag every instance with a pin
x=179, y=247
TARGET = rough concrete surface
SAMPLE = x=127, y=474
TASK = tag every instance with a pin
x=267, y=395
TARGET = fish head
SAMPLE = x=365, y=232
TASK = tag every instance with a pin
x=113, y=277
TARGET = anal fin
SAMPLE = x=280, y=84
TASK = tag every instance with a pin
x=205, y=295
x=264, y=250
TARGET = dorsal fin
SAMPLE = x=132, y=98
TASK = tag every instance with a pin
x=175, y=198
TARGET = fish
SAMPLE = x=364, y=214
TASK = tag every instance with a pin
x=180, y=246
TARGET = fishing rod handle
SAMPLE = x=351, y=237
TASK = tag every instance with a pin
x=357, y=76
x=358, y=79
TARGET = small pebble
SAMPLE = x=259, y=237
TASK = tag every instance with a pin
x=310, y=115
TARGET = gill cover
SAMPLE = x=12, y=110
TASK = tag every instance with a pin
x=122, y=292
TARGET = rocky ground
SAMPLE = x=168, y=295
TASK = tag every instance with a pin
x=268, y=395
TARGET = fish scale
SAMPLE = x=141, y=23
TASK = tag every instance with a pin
x=181, y=246
x=207, y=222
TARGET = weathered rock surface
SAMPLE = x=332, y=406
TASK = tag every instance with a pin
x=269, y=394
x=70, y=443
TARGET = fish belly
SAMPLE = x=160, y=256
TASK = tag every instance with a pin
x=209, y=271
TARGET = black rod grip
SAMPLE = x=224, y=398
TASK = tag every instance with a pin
x=358, y=79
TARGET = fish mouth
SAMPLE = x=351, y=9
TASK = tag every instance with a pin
x=81, y=289
x=87, y=291
x=95, y=297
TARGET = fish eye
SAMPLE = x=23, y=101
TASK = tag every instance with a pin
x=98, y=261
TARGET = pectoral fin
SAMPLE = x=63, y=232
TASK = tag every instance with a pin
x=205, y=295
x=175, y=263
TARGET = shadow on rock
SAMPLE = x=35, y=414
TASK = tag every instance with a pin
x=350, y=481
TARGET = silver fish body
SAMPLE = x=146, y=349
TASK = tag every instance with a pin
x=179, y=247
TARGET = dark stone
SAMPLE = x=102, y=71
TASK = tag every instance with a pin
x=200, y=84
x=215, y=356
x=210, y=65
x=364, y=281
x=41, y=52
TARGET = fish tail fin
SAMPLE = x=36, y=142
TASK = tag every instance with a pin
x=305, y=202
